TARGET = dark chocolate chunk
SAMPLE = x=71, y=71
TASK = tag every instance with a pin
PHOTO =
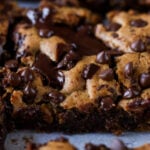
x=12, y=64
x=131, y=93
x=113, y=27
x=69, y=60
x=13, y=79
x=29, y=94
x=118, y=145
x=103, y=57
x=107, y=74
x=27, y=75
x=107, y=103
x=138, y=46
x=128, y=70
x=138, y=23
x=89, y=71
x=56, y=97
x=145, y=80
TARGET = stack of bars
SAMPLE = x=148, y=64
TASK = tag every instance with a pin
x=75, y=66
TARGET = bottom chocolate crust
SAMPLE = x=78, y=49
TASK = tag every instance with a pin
x=75, y=121
x=63, y=144
x=92, y=119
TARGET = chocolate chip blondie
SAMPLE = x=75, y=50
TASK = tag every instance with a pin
x=63, y=144
x=66, y=68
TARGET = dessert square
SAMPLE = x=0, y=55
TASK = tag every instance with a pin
x=65, y=68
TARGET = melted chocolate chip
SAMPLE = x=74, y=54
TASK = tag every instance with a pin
x=46, y=67
x=128, y=70
x=107, y=75
x=12, y=64
x=89, y=45
x=56, y=97
x=138, y=46
x=27, y=75
x=107, y=103
x=13, y=79
x=62, y=49
x=89, y=71
x=69, y=60
x=118, y=145
x=138, y=23
x=29, y=94
x=131, y=93
x=103, y=58
x=145, y=80
x=113, y=27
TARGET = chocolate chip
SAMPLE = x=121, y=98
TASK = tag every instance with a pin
x=89, y=71
x=90, y=146
x=46, y=33
x=107, y=103
x=13, y=79
x=138, y=46
x=107, y=75
x=12, y=64
x=118, y=145
x=103, y=58
x=56, y=97
x=113, y=27
x=145, y=80
x=69, y=60
x=27, y=75
x=32, y=15
x=128, y=70
x=114, y=35
x=29, y=94
x=139, y=103
x=131, y=93
x=138, y=23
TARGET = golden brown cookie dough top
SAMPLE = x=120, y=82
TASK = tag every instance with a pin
x=127, y=31
x=134, y=75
